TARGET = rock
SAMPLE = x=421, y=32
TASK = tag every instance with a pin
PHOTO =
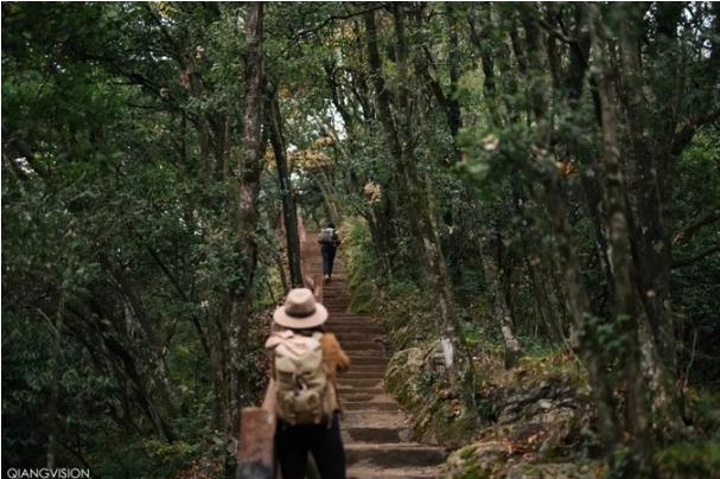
x=537, y=419
x=481, y=459
x=544, y=404
x=550, y=471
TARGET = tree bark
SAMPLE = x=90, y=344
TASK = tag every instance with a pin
x=453, y=106
x=53, y=413
x=247, y=212
x=292, y=237
x=652, y=246
x=628, y=307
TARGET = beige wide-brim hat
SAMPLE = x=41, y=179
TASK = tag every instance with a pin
x=300, y=310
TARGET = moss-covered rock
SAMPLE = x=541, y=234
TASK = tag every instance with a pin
x=542, y=426
x=478, y=460
x=561, y=470
x=415, y=376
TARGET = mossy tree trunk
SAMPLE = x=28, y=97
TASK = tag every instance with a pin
x=248, y=188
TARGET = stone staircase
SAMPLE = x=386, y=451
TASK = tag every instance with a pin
x=375, y=433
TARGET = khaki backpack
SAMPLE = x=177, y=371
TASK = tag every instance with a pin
x=301, y=379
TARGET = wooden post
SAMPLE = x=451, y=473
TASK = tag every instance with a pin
x=256, y=447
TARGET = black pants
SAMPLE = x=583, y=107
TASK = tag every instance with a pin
x=293, y=443
x=328, y=257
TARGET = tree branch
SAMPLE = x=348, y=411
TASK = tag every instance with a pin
x=332, y=18
x=195, y=320
x=685, y=136
x=556, y=33
x=705, y=218
x=697, y=257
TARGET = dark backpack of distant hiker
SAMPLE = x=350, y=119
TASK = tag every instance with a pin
x=327, y=236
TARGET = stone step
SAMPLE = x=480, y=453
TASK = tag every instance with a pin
x=374, y=331
x=393, y=455
x=363, y=359
x=352, y=334
x=371, y=360
x=364, y=349
x=355, y=374
x=336, y=319
x=360, y=382
x=394, y=473
x=375, y=362
x=358, y=325
x=370, y=406
x=363, y=372
x=349, y=337
x=378, y=369
x=355, y=345
x=349, y=390
x=376, y=351
x=354, y=325
x=357, y=356
x=360, y=328
x=358, y=397
x=359, y=338
x=348, y=321
x=375, y=434
x=377, y=419
x=350, y=316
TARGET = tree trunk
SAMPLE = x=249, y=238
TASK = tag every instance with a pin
x=53, y=413
x=652, y=243
x=454, y=117
x=274, y=123
x=247, y=211
x=628, y=307
x=500, y=306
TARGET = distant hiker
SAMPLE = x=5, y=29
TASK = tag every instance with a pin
x=305, y=361
x=329, y=241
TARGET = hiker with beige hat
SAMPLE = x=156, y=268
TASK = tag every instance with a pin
x=305, y=361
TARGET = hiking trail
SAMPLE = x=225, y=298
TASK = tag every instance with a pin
x=375, y=429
